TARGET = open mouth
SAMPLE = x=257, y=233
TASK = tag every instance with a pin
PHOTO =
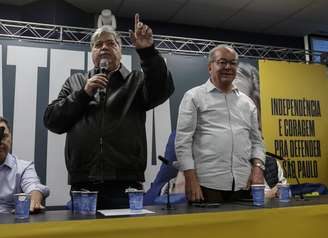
x=104, y=52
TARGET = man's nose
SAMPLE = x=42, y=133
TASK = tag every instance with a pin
x=228, y=65
x=104, y=45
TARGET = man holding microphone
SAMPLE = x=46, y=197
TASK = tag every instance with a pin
x=103, y=113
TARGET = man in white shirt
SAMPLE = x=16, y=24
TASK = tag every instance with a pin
x=218, y=143
x=17, y=176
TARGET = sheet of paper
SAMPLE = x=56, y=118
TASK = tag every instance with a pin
x=124, y=212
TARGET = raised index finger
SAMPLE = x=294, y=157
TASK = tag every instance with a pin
x=136, y=21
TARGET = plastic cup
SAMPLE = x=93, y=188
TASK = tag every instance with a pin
x=88, y=203
x=92, y=196
x=22, y=205
x=76, y=202
x=135, y=199
x=283, y=190
x=258, y=194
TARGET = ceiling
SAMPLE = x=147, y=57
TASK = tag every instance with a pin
x=279, y=17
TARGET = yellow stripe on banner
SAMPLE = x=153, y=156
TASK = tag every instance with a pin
x=306, y=221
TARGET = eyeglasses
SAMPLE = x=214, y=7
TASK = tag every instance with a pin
x=223, y=62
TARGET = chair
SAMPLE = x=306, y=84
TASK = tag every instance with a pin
x=165, y=174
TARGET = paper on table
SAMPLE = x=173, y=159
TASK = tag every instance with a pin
x=124, y=212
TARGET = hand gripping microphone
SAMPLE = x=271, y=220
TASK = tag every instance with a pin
x=103, y=66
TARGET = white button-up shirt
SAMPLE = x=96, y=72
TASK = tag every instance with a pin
x=17, y=176
x=217, y=135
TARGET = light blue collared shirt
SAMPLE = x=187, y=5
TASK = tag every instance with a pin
x=217, y=135
x=17, y=176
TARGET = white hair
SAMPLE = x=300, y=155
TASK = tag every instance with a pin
x=222, y=46
x=108, y=29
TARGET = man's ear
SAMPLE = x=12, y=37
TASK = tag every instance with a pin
x=209, y=67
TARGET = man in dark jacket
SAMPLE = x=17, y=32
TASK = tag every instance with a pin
x=104, y=113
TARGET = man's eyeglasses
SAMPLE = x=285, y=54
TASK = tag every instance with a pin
x=224, y=62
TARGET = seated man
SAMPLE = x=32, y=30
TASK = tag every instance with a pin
x=17, y=176
x=273, y=175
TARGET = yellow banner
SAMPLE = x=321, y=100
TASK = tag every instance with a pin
x=294, y=111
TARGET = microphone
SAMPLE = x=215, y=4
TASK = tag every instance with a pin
x=168, y=201
x=173, y=164
x=274, y=156
x=103, y=66
x=165, y=161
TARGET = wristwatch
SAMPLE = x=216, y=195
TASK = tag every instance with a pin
x=260, y=165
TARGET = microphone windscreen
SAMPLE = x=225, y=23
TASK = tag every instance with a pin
x=103, y=65
x=165, y=161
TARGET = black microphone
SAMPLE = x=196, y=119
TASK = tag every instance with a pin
x=168, y=201
x=103, y=66
x=165, y=161
x=174, y=164
x=274, y=156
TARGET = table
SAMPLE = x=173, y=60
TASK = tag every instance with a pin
x=298, y=218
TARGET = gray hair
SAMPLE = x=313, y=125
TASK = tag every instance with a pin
x=108, y=29
x=222, y=46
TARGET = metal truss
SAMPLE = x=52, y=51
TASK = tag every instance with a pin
x=180, y=45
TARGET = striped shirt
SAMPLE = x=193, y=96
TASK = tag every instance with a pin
x=17, y=176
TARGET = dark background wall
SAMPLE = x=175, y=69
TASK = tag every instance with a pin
x=59, y=12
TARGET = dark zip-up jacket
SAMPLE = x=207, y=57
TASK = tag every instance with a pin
x=106, y=141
